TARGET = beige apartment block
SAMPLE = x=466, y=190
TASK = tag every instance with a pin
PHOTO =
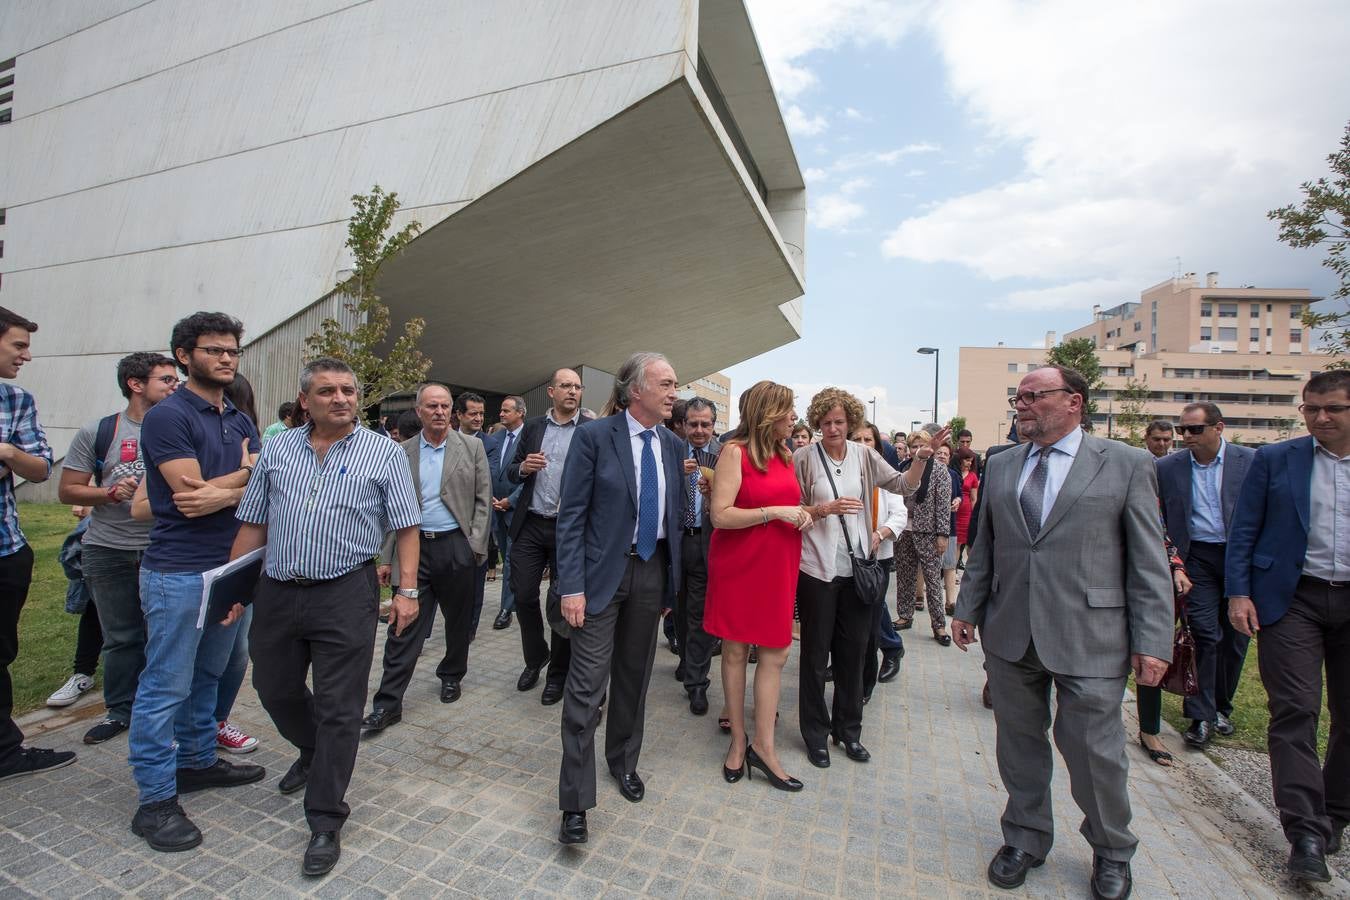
x=717, y=388
x=1240, y=348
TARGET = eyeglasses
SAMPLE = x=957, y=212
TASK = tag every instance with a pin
x=1029, y=397
x=166, y=379
x=568, y=386
x=218, y=352
x=1312, y=411
x=1195, y=430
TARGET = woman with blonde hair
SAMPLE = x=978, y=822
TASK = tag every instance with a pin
x=836, y=477
x=752, y=571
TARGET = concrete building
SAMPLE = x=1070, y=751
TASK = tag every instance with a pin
x=591, y=176
x=717, y=389
x=1240, y=348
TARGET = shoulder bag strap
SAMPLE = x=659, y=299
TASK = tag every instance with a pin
x=848, y=541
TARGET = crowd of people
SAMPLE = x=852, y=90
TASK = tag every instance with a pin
x=1080, y=554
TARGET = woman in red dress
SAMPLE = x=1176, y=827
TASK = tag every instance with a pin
x=752, y=570
x=970, y=490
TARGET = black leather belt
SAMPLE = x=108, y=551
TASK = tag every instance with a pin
x=436, y=535
x=316, y=582
x=691, y=532
x=1322, y=582
x=632, y=549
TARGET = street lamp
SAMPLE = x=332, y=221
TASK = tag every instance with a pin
x=937, y=356
x=873, y=401
x=914, y=424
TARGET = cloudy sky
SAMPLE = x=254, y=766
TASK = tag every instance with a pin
x=986, y=170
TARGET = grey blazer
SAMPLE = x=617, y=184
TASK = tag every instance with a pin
x=466, y=490
x=1094, y=585
x=1174, y=486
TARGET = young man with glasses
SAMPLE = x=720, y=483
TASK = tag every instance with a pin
x=1199, y=489
x=199, y=451
x=1288, y=572
x=102, y=470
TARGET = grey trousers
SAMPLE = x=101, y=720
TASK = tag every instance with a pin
x=614, y=646
x=1091, y=738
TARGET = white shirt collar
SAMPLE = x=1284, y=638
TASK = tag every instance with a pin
x=635, y=427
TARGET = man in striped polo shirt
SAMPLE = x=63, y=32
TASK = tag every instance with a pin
x=322, y=499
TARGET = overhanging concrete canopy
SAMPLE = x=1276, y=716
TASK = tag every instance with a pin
x=640, y=234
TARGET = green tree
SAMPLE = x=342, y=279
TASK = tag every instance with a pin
x=1080, y=354
x=957, y=424
x=1132, y=418
x=1323, y=220
x=372, y=246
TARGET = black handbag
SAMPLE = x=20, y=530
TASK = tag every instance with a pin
x=870, y=578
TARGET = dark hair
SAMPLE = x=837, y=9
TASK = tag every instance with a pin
x=1328, y=381
x=876, y=434
x=138, y=366
x=186, y=331
x=286, y=410
x=967, y=453
x=391, y=422
x=677, y=411
x=1157, y=425
x=461, y=404
x=1077, y=384
x=408, y=424
x=1212, y=414
x=964, y=432
x=10, y=319
x=325, y=364
x=694, y=404
x=240, y=393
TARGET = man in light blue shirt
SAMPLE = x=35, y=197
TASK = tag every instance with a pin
x=696, y=645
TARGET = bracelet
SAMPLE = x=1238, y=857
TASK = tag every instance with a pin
x=765, y=515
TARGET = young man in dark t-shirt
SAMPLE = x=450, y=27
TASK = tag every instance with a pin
x=199, y=449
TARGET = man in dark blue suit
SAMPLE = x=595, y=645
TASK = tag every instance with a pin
x=1288, y=570
x=505, y=495
x=1199, y=489
x=619, y=526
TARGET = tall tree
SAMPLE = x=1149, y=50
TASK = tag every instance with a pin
x=372, y=246
x=1079, y=354
x=957, y=424
x=1132, y=418
x=1323, y=220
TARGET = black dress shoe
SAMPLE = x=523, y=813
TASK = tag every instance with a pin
x=1009, y=867
x=529, y=677
x=631, y=786
x=1199, y=734
x=753, y=761
x=679, y=671
x=222, y=774
x=1308, y=859
x=854, y=750
x=449, y=690
x=1222, y=725
x=296, y=777
x=1110, y=879
x=573, y=828
x=322, y=853
x=698, y=701
x=674, y=645
x=890, y=667
x=380, y=719
x=503, y=620
x=165, y=826
x=553, y=692
x=819, y=757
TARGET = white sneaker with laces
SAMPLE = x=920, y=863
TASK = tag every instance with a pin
x=69, y=692
x=232, y=740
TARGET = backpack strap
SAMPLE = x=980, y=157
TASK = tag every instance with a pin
x=107, y=429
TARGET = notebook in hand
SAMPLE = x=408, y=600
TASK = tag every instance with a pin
x=224, y=586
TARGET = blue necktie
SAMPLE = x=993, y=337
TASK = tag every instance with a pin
x=649, y=501
x=506, y=454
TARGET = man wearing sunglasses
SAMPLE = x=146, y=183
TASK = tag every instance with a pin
x=1288, y=571
x=1199, y=490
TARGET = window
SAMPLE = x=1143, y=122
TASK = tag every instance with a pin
x=2, y=215
x=1182, y=373
x=1138, y=326
x=1183, y=398
x=1267, y=332
x=1228, y=310
x=1269, y=307
x=1256, y=334
x=1296, y=310
x=1012, y=391
x=1228, y=334
x=1256, y=310
x=1206, y=310
x=1296, y=335
x=1206, y=333
x=1012, y=367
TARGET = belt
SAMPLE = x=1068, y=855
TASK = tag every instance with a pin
x=436, y=535
x=316, y=582
x=691, y=532
x=1324, y=583
x=542, y=516
x=632, y=549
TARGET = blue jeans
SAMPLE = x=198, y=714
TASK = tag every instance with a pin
x=232, y=679
x=501, y=530
x=113, y=579
x=176, y=696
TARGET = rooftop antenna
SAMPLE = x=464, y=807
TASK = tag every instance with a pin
x=1177, y=273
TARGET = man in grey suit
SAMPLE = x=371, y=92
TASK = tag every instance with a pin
x=1069, y=586
x=696, y=645
x=450, y=473
x=619, y=528
x=1199, y=489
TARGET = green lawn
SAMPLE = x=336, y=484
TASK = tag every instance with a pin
x=46, y=630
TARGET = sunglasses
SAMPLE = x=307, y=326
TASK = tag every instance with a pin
x=1195, y=430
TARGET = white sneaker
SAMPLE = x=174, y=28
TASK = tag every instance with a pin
x=69, y=692
x=232, y=740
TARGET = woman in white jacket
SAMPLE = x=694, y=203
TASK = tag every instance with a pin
x=890, y=517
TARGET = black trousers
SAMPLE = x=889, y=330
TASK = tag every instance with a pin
x=88, y=641
x=696, y=645
x=330, y=629
x=533, y=549
x=1220, y=649
x=614, y=646
x=16, y=573
x=1312, y=796
x=835, y=629
x=445, y=578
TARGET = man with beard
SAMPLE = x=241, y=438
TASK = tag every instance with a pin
x=198, y=449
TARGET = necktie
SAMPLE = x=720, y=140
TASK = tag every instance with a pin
x=649, y=501
x=506, y=453
x=1033, y=492
x=691, y=490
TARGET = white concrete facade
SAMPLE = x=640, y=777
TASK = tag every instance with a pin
x=592, y=176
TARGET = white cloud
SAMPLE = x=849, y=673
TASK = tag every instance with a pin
x=853, y=185
x=834, y=212
x=799, y=123
x=1078, y=295
x=855, y=115
x=1144, y=136
x=815, y=174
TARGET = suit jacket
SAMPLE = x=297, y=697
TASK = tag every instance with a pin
x=1174, y=487
x=1268, y=537
x=501, y=485
x=973, y=530
x=599, y=508
x=1093, y=586
x=466, y=489
x=531, y=441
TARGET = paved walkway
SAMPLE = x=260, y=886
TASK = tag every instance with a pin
x=461, y=800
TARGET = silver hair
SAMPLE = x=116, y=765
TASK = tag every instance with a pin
x=324, y=364
x=430, y=384
x=518, y=400
x=700, y=403
x=633, y=373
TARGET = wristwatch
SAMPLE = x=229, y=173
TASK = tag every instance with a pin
x=410, y=593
